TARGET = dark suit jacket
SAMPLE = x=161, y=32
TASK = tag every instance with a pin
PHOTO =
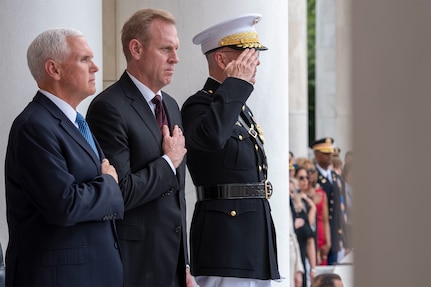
x=59, y=206
x=220, y=151
x=153, y=231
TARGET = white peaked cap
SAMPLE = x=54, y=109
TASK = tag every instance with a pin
x=238, y=33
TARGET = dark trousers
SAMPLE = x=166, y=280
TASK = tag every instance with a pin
x=181, y=268
x=332, y=256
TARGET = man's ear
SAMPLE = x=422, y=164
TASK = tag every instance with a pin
x=220, y=59
x=135, y=48
x=52, y=68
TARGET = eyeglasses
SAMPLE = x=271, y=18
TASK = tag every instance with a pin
x=304, y=177
x=311, y=170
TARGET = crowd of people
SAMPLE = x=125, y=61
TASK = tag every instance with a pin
x=321, y=205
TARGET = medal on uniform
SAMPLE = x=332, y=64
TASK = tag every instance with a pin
x=259, y=131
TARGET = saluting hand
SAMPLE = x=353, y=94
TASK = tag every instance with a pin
x=244, y=67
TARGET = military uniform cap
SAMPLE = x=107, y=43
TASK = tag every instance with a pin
x=324, y=145
x=237, y=33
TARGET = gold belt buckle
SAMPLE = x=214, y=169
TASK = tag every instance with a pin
x=268, y=189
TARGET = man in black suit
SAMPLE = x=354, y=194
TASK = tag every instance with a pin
x=331, y=183
x=232, y=236
x=61, y=193
x=148, y=157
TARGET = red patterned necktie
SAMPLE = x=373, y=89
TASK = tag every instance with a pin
x=159, y=111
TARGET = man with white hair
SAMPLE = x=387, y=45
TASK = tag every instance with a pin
x=62, y=194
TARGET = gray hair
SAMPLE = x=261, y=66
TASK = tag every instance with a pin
x=51, y=44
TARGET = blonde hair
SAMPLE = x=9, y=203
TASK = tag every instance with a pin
x=138, y=27
x=300, y=161
x=308, y=163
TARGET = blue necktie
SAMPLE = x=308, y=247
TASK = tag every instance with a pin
x=85, y=131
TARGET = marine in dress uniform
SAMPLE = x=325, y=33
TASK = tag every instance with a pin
x=232, y=235
x=332, y=185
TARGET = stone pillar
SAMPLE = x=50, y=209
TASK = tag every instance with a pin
x=325, y=68
x=298, y=95
x=343, y=95
x=20, y=22
x=333, y=112
x=391, y=68
x=269, y=100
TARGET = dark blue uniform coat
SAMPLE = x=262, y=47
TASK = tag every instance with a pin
x=235, y=237
x=333, y=193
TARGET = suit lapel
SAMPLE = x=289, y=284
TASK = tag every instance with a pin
x=140, y=106
x=68, y=126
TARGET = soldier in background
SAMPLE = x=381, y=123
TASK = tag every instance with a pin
x=331, y=183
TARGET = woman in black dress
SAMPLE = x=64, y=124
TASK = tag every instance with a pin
x=304, y=222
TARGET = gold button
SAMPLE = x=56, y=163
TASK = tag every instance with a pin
x=243, y=108
x=256, y=147
x=233, y=213
x=240, y=137
x=260, y=168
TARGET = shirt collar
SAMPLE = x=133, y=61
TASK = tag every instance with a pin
x=62, y=105
x=145, y=91
x=325, y=172
x=211, y=77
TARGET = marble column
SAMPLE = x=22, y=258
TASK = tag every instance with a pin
x=325, y=68
x=297, y=86
x=20, y=22
x=333, y=110
x=343, y=95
